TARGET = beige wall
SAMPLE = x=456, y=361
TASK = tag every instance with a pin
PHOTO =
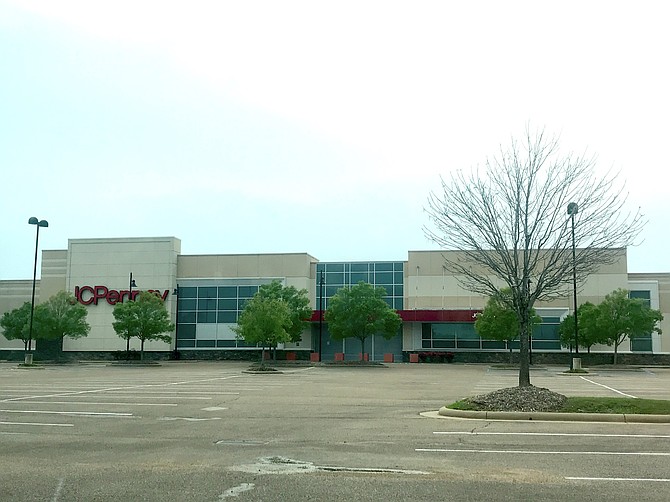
x=13, y=294
x=430, y=286
x=155, y=263
x=109, y=262
x=659, y=284
x=296, y=269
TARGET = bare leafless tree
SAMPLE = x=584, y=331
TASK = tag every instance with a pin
x=511, y=223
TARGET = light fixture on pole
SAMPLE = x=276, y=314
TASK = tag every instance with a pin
x=321, y=282
x=573, y=209
x=38, y=223
x=131, y=285
x=176, y=354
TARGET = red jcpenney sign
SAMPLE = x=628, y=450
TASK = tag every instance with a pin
x=91, y=295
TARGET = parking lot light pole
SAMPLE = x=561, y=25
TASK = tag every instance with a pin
x=321, y=281
x=131, y=285
x=573, y=209
x=38, y=223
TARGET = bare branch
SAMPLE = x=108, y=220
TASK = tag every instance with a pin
x=511, y=224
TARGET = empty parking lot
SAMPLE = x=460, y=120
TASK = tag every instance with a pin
x=210, y=431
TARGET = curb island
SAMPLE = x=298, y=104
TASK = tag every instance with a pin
x=547, y=416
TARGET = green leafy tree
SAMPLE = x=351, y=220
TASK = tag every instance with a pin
x=265, y=321
x=145, y=318
x=499, y=320
x=60, y=316
x=16, y=324
x=619, y=317
x=589, y=335
x=297, y=302
x=509, y=225
x=359, y=312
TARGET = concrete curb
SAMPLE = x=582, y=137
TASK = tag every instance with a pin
x=560, y=417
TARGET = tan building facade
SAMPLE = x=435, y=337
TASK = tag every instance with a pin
x=204, y=294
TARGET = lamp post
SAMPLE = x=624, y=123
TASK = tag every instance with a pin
x=573, y=209
x=38, y=224
x=175, y=354
x=131, y=285
x=321, y=281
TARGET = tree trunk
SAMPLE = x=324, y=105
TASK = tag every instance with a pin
x=142, y=349
x=524, y=362
x=362, y=348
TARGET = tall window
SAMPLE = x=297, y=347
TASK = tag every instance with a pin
x=641, y=343
x=386, y=274
x=207, y=309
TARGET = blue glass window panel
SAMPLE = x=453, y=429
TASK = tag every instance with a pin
x=187, y=292
x=335, y=278
x=641, y=344
x=388, y=288
x=383, y=267
x=228, y=304
x=383, y=278
x=207, y=317
x=247, y=291
x=227, y=317
x=186, y=317
x=207, y=292
x=187, y=303
x=357, y=277
x=186, y=332
x=227, y=291
x=207, y=304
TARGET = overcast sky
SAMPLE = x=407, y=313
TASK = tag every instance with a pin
x=319, y=127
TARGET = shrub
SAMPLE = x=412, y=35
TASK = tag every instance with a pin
x=436, y=357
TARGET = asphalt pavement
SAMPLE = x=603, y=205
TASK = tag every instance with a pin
x=208, y=431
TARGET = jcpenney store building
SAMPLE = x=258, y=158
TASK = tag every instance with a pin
x=206, y=293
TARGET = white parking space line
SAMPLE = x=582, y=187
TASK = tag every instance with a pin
x=134, y=388
x=77, y=413
x=159, y=392
x=642, y=480
x=126, y=403
x=541, y=452
x=143, y=396
x=564, y=434
x=189, y=419
x=38, y=424
x=608, y=388
x=61, y=482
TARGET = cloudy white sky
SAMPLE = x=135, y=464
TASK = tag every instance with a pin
x=244, y=127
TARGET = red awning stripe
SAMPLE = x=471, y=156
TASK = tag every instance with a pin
x=427, y=315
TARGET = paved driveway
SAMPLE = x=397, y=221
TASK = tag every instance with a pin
x=209, y=432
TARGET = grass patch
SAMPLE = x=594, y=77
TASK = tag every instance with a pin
x=615, y=405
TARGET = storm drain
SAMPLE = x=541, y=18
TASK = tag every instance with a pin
x=283, y=465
